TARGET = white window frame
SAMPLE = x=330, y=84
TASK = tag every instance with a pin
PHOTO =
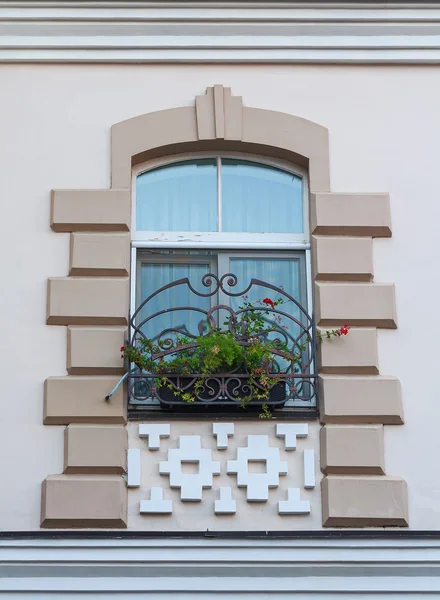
x=216, y=239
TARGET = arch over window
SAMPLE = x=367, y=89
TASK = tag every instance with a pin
x=231, y=197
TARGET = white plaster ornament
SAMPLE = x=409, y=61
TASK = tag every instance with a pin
x=225, y=505
x=293, y=505
x=191, y=484
x=257, y=484
x=133, y=467
x=222, y=431
x=291, y=431
x=156, y=503
x=154, y=431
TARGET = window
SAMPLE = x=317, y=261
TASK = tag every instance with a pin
x=202, y=214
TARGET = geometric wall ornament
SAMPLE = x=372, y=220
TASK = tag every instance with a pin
x=133, y=467
x=154, y=431
x=191, y=484
x=222, y=431
x=290, y=431
x=225, y=505
x=257, y=484
x=293, y=505
x=156, y=503
x=309, y=469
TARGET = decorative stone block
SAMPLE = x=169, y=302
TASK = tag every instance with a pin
x=95, y=449
x=342, y=258
x=352, y=449
x=104, y=254
x=156, y=504
x=355, y=399
x=350, y=214
x=354, y=354
x=222, y=431
x=257, y=484
x=87, y=301
x=309, y=468
x=191, y=484
x=90, y=210
x=95, y=350
x=82, y=400
x=84, y=501
x=133, y=467
x=364, y=502
x=225, y=505
x=290, y=431
x=154, y=431
x=293, y=505
x=359, y=304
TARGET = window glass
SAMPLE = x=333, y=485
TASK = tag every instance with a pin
x=261, y=199
x=155, y=276
x=178, y=197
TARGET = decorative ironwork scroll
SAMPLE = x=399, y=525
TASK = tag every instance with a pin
x=287, y=328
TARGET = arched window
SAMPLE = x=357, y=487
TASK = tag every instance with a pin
x=199, y=214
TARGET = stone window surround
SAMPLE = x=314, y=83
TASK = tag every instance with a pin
x=355, y=402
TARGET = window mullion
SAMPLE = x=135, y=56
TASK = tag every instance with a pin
x=219, y=194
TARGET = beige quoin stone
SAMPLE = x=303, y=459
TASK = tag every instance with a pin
x=95, y=350
x=355, y=399
x=359, y=304
x=82, y=400
x=350, y=214
x=355, y=353
x=84, y=501
x=95, y=449
x=87, y=301
x=90, y=210
x=100, y=254
x=352, y=449
x=342, y=258
x=364, y=502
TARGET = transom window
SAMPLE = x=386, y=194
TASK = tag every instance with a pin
x=229, y=199
x=200, y=214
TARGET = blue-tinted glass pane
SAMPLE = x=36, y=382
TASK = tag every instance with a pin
x=178, y=197
x=261, y=199
x=155, y=276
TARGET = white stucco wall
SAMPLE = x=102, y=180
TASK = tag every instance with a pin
x=55, y=133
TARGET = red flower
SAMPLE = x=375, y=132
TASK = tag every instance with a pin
x=122, y=348
x=269, y=302
x=344, y=329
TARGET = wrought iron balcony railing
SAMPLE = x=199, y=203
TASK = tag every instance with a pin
x=261, y=340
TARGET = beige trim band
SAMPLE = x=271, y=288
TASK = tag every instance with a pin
x=355, y=399
x=82, y=400
x=99, y=449
x=72, y=501
x=352, y=450
x=90, y=210
x=87, y=301
x=100, y=254
x=95, y=350
x=350, y=214
x=364, y=502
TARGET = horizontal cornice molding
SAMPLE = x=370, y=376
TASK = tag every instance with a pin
x=307, y=566
x=219, y=32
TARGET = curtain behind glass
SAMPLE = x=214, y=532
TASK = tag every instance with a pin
x=260, y=199
x=153, y=277
x=178, y=197
x=278, y=272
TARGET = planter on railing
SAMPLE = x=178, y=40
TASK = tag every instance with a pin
x=263, y=355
